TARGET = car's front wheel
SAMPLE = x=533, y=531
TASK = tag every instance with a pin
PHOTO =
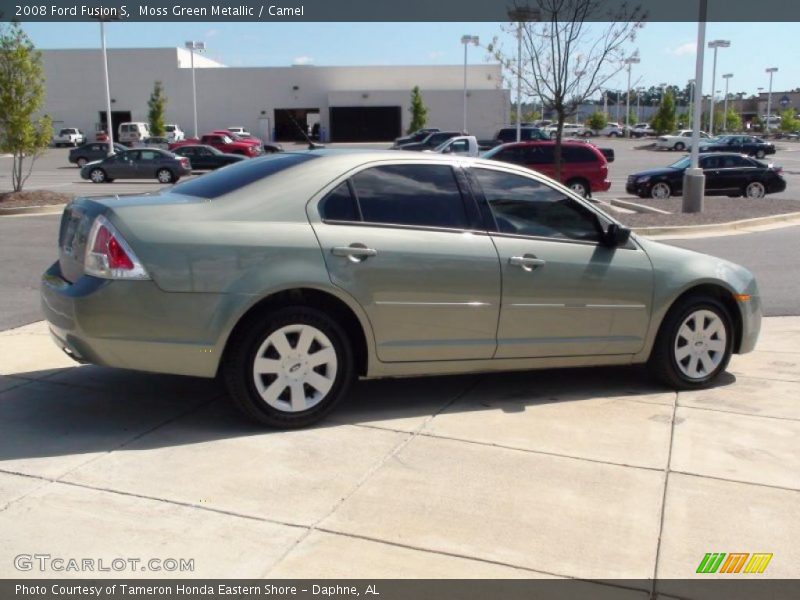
x=694, y=344
x=660, y=191
x=755, y=190
x=291, y=369
x=760, y=154
x=81, y=162
x=680, y=146
x=97, y=176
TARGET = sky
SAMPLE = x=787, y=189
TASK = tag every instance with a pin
x=667, y=50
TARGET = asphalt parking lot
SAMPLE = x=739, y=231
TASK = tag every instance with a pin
x=589, y=474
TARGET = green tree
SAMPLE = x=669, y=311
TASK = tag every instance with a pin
x=733, y=122
x=596, y=121
x=664, y=119
x=788, y=121
x=24, y=133
x=419, y=112
x=156, y=105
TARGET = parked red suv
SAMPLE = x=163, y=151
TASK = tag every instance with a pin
x=584, y=169
x=224, y=142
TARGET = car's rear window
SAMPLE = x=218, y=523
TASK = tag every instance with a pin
x=238, y=175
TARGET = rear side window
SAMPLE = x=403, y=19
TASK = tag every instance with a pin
x=578, y=154
x=423, y=195
x=238, y=175
x=339, y=205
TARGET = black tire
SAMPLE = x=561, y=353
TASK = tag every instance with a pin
x=81, y=162
x=237, y=367
x=580, y=187
x=165, y=176
x=760, y=154
x=680, y=147
x=664, y=365
x=97, y=175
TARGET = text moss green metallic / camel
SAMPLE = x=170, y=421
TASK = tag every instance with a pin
x=293, y=274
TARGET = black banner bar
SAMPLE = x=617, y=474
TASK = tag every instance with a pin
x=378, y=10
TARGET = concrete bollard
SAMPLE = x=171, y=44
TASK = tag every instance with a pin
x=694, y=185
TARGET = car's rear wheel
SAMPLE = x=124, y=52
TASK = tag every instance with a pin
x=291, y=369
x=165, y=176
x=579, y=186
x=760, y=154
x=680, y=146
x=694, y=344
x=81, y=162
x=97, y=176
x=660, y=191
x=755, y=190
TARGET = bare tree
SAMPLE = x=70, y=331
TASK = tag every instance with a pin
x=563, y=61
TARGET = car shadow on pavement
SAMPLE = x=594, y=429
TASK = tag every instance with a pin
x=89, y=409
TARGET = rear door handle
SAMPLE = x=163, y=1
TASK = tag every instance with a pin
x=527, y=262
x=354, y=252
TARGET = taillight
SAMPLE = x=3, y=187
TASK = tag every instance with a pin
x=109, y=256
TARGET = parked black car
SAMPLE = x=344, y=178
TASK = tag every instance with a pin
x=205, y=157
x=417, y=136
x=731, y=175
x=90, y=152
x=743, y=144
x=430, y=142
x=139, y=163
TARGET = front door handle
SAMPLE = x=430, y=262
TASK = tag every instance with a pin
x=354, y=252
x=527, y=262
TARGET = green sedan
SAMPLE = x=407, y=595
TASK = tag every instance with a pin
x=291, y=275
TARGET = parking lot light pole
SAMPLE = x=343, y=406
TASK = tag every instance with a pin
x=467, y=40
x=639, y=91
x=727, y=78
x=629, y=61
x=694, y=182
x=192, y=46
x=691, y=103
x=109, y=124
x=771, y=70
x=716, y=44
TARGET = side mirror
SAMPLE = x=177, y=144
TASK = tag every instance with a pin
x=617, y=235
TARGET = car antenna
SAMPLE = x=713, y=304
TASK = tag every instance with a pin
x=311, y=145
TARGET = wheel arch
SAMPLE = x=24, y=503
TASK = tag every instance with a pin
x=354, y=325
x=719, y=292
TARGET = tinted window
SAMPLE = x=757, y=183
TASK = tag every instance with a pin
x=729, y=162
x=577, y=154
x=339, y=205
x=710, y=162
x=507, y=135
x=523, y=206
x=238, y=175
x=424, y=195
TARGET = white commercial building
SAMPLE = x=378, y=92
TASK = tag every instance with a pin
x=349, y=103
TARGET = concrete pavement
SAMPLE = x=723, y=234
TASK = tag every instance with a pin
x=594, y=473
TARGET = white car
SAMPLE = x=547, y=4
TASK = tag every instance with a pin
x=462, y=145
x=567, y=130
x=174, y=133
x=680, y=140
x=69, y=136
x=239, y=131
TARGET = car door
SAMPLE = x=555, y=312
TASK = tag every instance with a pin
x=148, y=163
x=122, y=165
x=715, y=180
x=406, y=242
x=735, y=173
x=564, y=292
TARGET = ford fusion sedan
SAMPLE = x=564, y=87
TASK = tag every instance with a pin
x=293, y=274
x=145, y=163
x=731, y=175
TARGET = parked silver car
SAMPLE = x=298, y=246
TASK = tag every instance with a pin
x=295, y=273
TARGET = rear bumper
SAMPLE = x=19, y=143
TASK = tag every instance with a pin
x=132, y=324
x=601, y=186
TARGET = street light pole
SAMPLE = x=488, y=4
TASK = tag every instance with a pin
x=771, y=70
x=715, y=44
x=694, y=181
x=727, y=78
x=467, y=40
x=520, y=15
x=192, y=46
x=629, y=61
x=691, y=103
x=109, y=124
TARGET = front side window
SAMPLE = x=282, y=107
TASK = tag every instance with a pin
x=524, y=206
x=422, y=195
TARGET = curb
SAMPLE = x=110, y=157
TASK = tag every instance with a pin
x=49, y=209
x=786, y=218
x=641, y=208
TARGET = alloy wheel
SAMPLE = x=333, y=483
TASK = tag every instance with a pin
x=660, y=191
x=579, y=188
x=760, y=154
x=680, y=146
x=755, y=190
x=97, y=176
x=295, y=368
x=164, y=176
x=700, y=344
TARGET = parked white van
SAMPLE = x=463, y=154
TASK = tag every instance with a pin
x=131, y=133
x=174, y=133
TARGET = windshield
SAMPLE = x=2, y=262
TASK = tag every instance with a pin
x=683, y=163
